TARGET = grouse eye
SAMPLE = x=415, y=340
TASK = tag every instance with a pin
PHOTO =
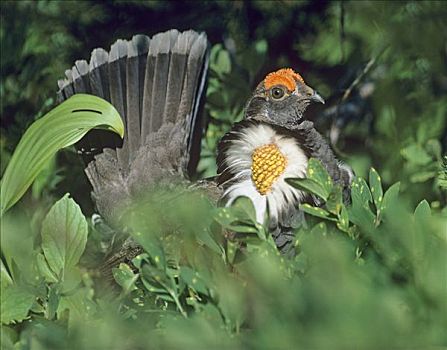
x=277, y=93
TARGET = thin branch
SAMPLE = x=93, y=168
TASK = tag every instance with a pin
x=359, y=78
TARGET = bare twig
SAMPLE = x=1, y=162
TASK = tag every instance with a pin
x=334, y=129
x=359, y=78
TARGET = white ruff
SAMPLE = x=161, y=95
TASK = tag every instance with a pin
x=239, y=160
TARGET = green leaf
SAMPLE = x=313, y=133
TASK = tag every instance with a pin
x=391, y=196
x=61, y=127
x=153, y=247
x=220, y=60
x=320, y=229
x=232, y=248
x=318, y=212
x=318, y=181
x=317, y=172
x=9, y=337
x=6, y=279
x=359, y=212
x=79, y=305
x=244, y=208
x=423, y=176
x=64, y=235
x=308, y=185
x=360, y=191
x=422, y=211
x=54, y=298
x=416, y=154
x=44, y=269
x=155, y=276
x=240, y=217
x=375, y=184
x=335, y=200
x=153, y=287
x=125, y=277
x=204, y=236
x=15, y=304
x=343, y=219
x=193, y=280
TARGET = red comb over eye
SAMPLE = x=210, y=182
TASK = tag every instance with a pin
x=285, y=76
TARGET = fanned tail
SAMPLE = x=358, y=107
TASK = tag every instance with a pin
x=156, y=86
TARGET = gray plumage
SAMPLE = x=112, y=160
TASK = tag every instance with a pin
x=156, y=85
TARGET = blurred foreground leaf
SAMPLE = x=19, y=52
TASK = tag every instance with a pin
x=15, y=304
x=64, y=235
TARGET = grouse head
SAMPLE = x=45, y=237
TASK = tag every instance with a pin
x=281, y=99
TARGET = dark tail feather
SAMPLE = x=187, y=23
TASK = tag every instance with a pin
x=154, y=84
x=118, y=95
x=160, y=49
x=190, y=104
x=135, y=72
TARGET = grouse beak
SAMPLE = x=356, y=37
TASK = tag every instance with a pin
x=316, y=97
x=312, y=95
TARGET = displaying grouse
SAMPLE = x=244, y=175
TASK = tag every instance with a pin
x=271, y=144
x=156, y=85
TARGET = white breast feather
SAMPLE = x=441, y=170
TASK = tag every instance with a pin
x=239, y=160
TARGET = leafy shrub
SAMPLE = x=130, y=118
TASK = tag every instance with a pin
x=366, y=275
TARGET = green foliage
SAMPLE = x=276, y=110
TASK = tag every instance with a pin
x=16, y=303
x=61, y=127
x=368, y=274
x=352, y=273
x=64, y=235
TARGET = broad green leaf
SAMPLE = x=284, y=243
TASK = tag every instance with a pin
x=318, y=212
x=54, y=298
x=204, y=236
x=317, y=172
x=44, y=269
x=166, y=297
x=6, y=279
x=153, y=247
x=319, y=228
x=61, y=127
x=17, y=246
x=220, y=61
x=375, y=185
x=240, y=217
x=360, y=212
x=64, y=235
x=241, y=228
x=335, y=200
x=153, y=288
x=15, y=304
x=193, y=280
x=318, y=181
x=244, y=208
x=360, y=191
x=343, y=219
x=79, y=305
x=232, y=248
x=391, y=196
x=125, y=277
x=9, y=337
x=422, y=211
x=423, y=176
x=155, y=276
x=416, y=154
x=310, y=186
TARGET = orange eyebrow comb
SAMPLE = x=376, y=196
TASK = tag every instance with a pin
x=285, y=76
